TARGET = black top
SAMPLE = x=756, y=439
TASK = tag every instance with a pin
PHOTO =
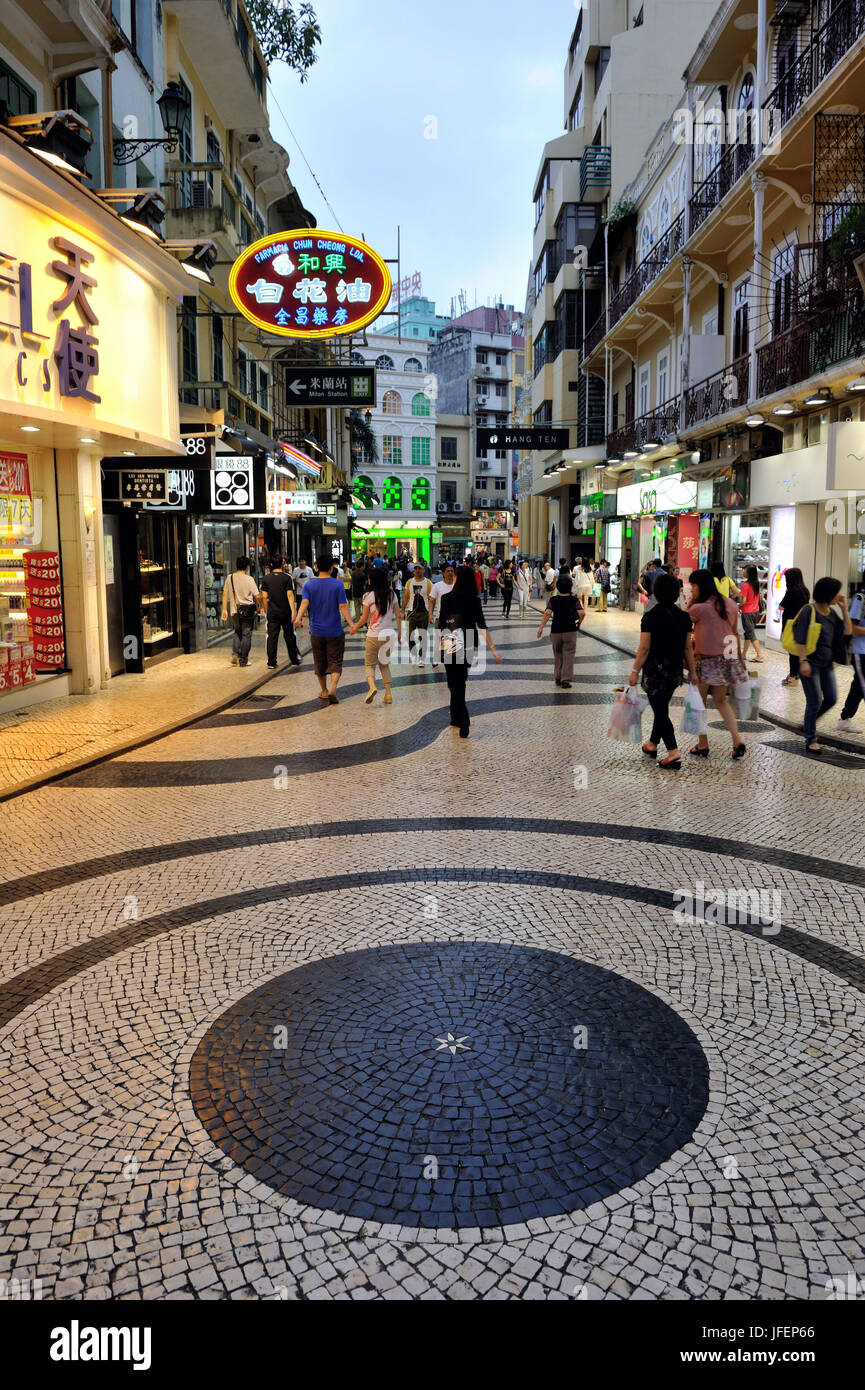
x=277, y=585
x=358, y=581
x=506, y=579
x=564, y=608
x=668, y=628
x=793, y=600
x=455, y=611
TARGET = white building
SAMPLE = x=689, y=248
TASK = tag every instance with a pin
x=403, y=478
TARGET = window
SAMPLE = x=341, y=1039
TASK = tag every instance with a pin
x=645, y=242
x=665, y=215
x=710, y=324
x=541, y=196
x=449, y=447
x=663, y=377
x=412, y=365
x=357, y=359
x=184, y=151
x=575, y=119
x=480, y=484
x=420, y=452
x=544, y=414
x=392, y=403
x=19, y=98
x=602, y=62
x=258, y=76
x=449, y=492
x=229, y=206
x=500, y=359
x=189, y=345
x=499, y=484
x=391, y=494
x=263, y=388
x=362, y=486
x=782, y=291
x=242, y=36
x=481, y=357
x=741, y=338
x=384, y=363
x=391, y=450
x=501, y=389
x=575, y=39
x=645, y=384
x=420, y=403
x=217, y=337
x=420, y=495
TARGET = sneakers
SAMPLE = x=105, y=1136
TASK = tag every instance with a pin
x=373, y=691
x=272, y=666
x=388, y=699
x=848, y=726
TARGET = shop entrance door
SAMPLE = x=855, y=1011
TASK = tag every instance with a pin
x=113, y=593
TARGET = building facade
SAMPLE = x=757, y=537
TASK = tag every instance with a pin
x=417, y=316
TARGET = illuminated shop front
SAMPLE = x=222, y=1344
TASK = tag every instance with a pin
x=391, y=542
x=88, y=307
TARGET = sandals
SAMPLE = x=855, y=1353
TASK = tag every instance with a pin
x=671, y=763
x=650, y=752
x=699, y=752
x=739, y=752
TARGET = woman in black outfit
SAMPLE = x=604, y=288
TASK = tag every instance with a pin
x=567, y=612
x=794, y=600
x=666, y=645
x=506, y=584
x=460, y=616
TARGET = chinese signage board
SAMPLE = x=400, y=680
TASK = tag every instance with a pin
x=531, y=437
x=318, y=386
x=14, y=475
x=667, y=494
x=298, y=504
x=236, y=487
x=143, y=485
x=310, y=284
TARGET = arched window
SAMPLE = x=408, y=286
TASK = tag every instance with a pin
x=420, y=495
x=391, y=494
x=357, y=359
x=392, y=403
x=747, y=96
x=413, y=365
x=420, y=403
x=384, y=363
x=665, y=215
x=362, y=487
x=645, y=241
x=391, y=450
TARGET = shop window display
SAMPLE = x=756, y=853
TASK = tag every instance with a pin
x=224, y=542
x=159, y=584
x=31, y=603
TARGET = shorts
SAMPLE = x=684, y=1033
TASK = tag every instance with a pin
x=378, y=650
x=327, y=654
x=749, y=626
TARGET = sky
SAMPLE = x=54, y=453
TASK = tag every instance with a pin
x=484, y=78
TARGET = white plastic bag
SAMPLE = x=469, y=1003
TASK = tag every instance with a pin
x=626, y=718
x=694, y=719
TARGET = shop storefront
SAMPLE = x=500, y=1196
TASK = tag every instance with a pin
x=661, y=524
x=392, y=542
x=89, y=305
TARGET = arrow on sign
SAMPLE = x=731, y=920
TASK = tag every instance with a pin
x=296, y=386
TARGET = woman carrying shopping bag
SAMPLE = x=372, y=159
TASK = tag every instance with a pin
x=666, y=646
x=718, y=650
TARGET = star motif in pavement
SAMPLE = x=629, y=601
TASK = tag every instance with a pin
x=452, y=1044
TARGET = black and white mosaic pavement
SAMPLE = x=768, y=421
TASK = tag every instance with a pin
x=289, y=1003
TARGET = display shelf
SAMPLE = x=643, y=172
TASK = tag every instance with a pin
x=152, y=598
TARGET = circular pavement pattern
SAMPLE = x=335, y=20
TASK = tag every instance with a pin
x=449, y=1084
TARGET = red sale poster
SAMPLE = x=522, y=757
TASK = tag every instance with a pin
x=45, y=608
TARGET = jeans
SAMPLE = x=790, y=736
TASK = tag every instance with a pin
x=857, y=688
x=662, y=726
x=457, y=673
x=242, y=639
x=794, y=665
x=564, y=646
x=821, y=693
x=507, y=600
x=280, y=623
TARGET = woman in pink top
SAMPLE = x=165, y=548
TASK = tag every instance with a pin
x=718, y=653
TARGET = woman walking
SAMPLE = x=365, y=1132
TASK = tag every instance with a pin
x=817, y=671
x=506, y=583
x=585, y=581
x=795, y=597
x=439, y=589
x=461, y=614
x=567, y=613
x=718, y=652
x=666, y=646
x=750, y=600
x=723, y=583
x=523, y=581
x=380, y=609
x=493, y=579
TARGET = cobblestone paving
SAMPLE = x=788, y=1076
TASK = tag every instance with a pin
x=291, y=1004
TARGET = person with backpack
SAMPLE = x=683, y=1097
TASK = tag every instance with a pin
x=381, y=610
x=415, y=604
x=857, y=652
x=279, y=609
x=827, y=645
x=241, y=601
x=795, y=597
x=750, y=609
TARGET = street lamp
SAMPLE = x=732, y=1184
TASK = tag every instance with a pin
x=173, y=112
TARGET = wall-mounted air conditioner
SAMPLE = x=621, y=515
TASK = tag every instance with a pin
x=441, y=506
x=456, y=506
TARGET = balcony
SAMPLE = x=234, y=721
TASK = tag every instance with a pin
x=648, y=270
x=734, y=162
x=808, y=350
x=227, y=62
x=595, y=173
x=716, y=394
x=660, y=423
x=841, y=31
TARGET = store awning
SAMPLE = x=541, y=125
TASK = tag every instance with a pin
x=714, y=468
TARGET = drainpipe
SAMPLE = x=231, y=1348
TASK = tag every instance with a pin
x=608, y=374
x=758, y=184
x=687, y=266
x=107, y=128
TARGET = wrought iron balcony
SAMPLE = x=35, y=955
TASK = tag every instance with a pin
x=594, y=335
x=716, y=394
x=807, y=350
x=660, y=423
x=595, y=168
x=832, y=41
x=734, y=162
x=649, y=269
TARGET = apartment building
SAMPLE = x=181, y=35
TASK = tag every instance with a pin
x=399, y=484
x=621, y=77
x=417, y=318
x=731, y=345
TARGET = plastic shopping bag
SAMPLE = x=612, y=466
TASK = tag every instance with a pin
x=694, y=720
x=626, y=718
x=742, y=698
x=756, y=689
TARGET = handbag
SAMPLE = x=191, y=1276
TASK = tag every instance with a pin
x=244, y=612
x=788, y=641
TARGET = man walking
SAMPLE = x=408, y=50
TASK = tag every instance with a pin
x=300, y=575
x=241, y=601
x=280, y=610
x=418, y=593
x=324, y=600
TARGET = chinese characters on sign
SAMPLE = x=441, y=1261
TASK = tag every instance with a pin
x=75, y=348
x=302, y=284
x=16, y=504
x=309, y=386
x=143, y=486
x=45, y=607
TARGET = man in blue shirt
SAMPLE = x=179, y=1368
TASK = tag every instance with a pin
x=324, y=599
x=857, y=686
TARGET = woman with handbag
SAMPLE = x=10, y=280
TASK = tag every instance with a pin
x=795, y=597
x=818, y=651
x=666, y=646
x=750, y=610
x=718, y=651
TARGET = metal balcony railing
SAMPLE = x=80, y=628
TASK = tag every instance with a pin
x=807, y=350
x=734, y=162
x=844, y=27
x=595, y=168
x=716, y=394
x=660, y=423
x=649, y=269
